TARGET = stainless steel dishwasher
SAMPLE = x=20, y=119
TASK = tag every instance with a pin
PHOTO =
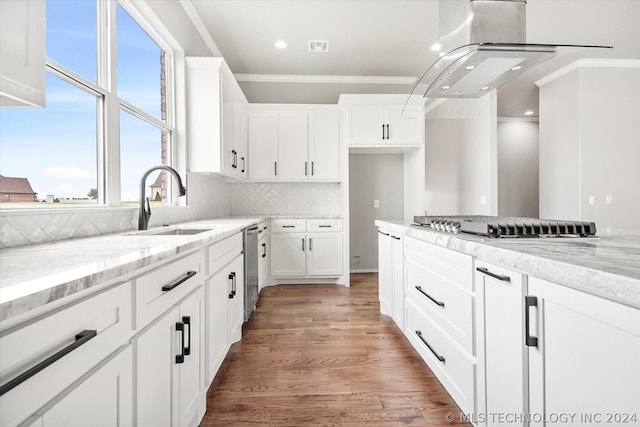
x=250, y=270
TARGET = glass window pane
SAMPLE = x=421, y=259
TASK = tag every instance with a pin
x=51, y=150
x=71, y=35
x=139, y=66
x=142, y=145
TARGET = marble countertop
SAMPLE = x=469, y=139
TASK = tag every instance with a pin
x=607, y=266
x=35, y=275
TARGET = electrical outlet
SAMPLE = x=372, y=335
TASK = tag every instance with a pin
x=608, y=199
x=356, y=259
x=592, y=200
x=376, y=204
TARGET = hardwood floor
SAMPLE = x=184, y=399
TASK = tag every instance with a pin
x=323, y=355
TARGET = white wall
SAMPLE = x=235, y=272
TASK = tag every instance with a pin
x=590, y=145
x=518, y=167
x=372, y=177
x=461, y=158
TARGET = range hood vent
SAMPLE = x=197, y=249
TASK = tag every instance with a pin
x=486, y=45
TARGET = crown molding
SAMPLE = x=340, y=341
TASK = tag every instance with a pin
x=519, y=119
x=300, y=78
x=201, y=28
x=588, y=63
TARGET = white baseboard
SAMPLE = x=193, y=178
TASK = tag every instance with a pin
x=364, y=270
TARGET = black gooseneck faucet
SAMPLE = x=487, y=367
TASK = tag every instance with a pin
x=145, y=212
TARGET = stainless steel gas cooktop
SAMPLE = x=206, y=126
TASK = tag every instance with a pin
x=496, y=226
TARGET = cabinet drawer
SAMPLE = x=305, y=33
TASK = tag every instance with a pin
x=454, y=266
x=65, y=338
x=163, y=287
x=221, y=253
x=445, y=302
x=324, y=225
x=288, y=225
x=451, y=364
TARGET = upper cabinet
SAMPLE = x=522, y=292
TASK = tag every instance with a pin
x=217, y=119
x=22, y=53
x=377, y=120
x=294, y=145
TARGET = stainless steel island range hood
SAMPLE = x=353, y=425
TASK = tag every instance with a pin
x=486, y=45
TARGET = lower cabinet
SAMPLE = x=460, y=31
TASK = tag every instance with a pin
x=235, y=303
x=583, y=357
x=501, y=350
x=391, y=276
x=103, y=399
x=170, y=388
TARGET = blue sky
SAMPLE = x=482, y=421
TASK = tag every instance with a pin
x=55, y=147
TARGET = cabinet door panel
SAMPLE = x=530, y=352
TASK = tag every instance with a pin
x=586, y=361
x=103, y=399
x=227, y=136
x=191, y=371
x=156, y=393
x=398, y=282
x=324, y=147
x=324, y=256
x=293, y=139
x=401, y=130
x=235, y=307
x=263, y=146
x=288, y=251
x=385, y=269
x=365, y=125
x=216, y=314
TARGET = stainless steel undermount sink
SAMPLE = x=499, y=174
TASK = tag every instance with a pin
x=171, y=231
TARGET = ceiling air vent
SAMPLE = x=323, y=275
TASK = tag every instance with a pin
x=318, y=45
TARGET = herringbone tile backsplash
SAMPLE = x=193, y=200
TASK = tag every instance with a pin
x=286, y=199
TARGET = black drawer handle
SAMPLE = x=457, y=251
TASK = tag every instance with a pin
x=435, y=301
x=189, y=275
x=324, y=226
x=440, y=358
x=380, y=232
x=187, y=349
x=242, y=158
x=80, y=339
x=264, y=250
x=395, y=237
x=180, y=357
x=288, y=226
x=494, y=275
x=529, y=302
x=232, y=277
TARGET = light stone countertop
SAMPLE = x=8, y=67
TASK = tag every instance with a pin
x=34, y=275
x=607, y=266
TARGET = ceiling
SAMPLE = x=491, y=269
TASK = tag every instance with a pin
x=382, y=46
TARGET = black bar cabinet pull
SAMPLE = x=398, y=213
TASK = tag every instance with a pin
x=395, y=237
x=324, y=226
x=180, y=357
x=440, y=358
x=264, y=250
x=310, y=244
x=303, y=244
x=529, y=302
x=80, y=339
x=275, y=168
x=186, y=350
x=311, y=168
x=387, y=131
x=288, y=226
x=383, y=132
x=381, y=232
x=494, y=275
x=232, y=293
x=306, y=169
x=242, y=158
x=190, y=274
x=435, y=301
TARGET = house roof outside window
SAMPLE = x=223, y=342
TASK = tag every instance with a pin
x=15, y=185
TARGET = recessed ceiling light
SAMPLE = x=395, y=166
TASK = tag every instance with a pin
x=469, y=67
x=528, y=113
x=436, y=47
x=485, y=88
x=445, y=87
x=516, y=68
x=280, y=44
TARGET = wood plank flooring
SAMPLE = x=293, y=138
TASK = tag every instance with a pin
x=323, y=355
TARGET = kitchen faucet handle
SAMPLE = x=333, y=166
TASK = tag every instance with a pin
x=148, y=207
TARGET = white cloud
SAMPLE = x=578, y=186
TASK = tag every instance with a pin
x=70, y=172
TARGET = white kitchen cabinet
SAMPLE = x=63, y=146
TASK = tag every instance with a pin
x=324, y=146
x=224, y=300
x=501, y=353
x=169, y=370
x=294, y=145
x=583, y=356
x=217, y=120
x=288, y=254
x=381, y=125
x=105, y=398
x=263, y=146
x=264, y=249
x=385, y=272
x=306, y=248
x=22, y=53
x=397, y=252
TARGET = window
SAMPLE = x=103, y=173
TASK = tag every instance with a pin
x=61, y=152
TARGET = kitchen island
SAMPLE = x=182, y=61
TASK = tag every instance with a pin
x=522, y=329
